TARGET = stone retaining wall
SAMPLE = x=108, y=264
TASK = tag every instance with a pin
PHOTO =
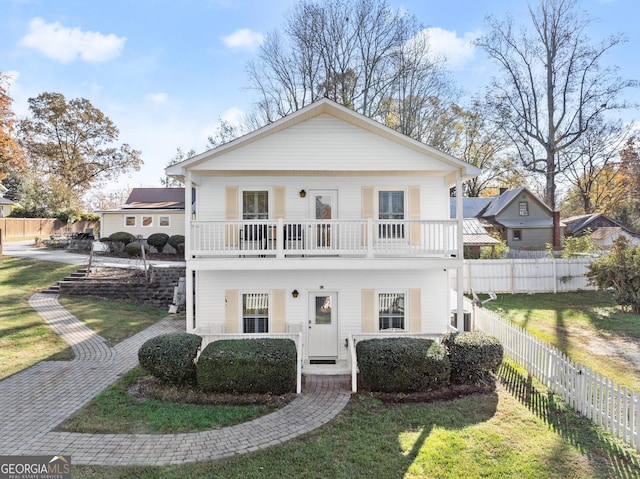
x=157, y=292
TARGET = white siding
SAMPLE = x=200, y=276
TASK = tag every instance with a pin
x=113, y=222
x=210, y=307
x=324, y=143
x=211, y=194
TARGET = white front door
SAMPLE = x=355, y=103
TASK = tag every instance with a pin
x=323, y=325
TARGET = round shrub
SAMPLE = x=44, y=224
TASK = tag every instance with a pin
x=175, y=241
x=246, y=366
x=474, y=356
x=122, y=237
x=158, y=240
x=402, y=365
x=135, y=248
x=170, y=357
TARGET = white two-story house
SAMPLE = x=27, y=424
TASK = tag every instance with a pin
x=327, y=223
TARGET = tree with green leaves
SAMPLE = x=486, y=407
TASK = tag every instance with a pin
x=552, y=84
x=11, y=155
x=71, y=147
x=619, y=272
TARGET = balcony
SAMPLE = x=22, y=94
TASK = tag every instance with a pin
x=318, y=238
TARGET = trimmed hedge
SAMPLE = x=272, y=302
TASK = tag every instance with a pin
x=135, y=248
x=244, y=366
x=474, y=356
x=122, y=237
x=175, y=241
x=402, y=365
x=158, y=240
x=170, y=357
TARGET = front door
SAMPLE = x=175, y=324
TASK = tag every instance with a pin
x=323, y=326
x=323, y=208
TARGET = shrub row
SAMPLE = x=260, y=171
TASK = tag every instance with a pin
x=418, y=365
x=125, y=241
x=240, y=366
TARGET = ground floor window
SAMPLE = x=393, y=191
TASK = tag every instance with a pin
x=390, y=311
x=255, y=313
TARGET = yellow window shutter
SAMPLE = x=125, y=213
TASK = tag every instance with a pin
x=231, y=202
x=368, y=202
x=231, y=317
x=278, y=202
x=414, y=214
x=415, y=310
x=277, y=313
x=231, y=213
x=368, y=310
x=368, y=208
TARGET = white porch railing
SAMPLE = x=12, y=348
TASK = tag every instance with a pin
x=209, y=337
x=285, y=238
x=607, y=404
x=354, y=338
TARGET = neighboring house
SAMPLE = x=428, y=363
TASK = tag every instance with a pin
x=326, y=223
x=147, y=211
x=518, y=216
x=5, y=204
x=602, y=229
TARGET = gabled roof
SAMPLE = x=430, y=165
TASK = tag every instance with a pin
x=580, y=222
x=501, y=202
x=155, y=198
x=471, y=207
x=474, y=234
x=315, y=110
x=605, y=232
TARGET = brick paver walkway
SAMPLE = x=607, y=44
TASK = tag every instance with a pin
x=36, y=400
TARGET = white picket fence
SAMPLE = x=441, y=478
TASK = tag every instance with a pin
x=542, y=275
x=607, y=404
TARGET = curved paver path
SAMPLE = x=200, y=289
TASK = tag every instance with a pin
x=36, y=400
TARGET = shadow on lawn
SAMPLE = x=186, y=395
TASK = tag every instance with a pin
x=589, y=439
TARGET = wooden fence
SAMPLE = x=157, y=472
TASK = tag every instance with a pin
x=543, y=275
x=607, y=404
x=42, y=227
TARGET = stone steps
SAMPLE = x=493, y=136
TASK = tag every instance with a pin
x=78, y=275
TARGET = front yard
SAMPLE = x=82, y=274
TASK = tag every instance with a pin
x=588, y=326
x=517, y=431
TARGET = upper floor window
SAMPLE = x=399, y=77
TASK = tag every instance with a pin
x=129, y=220
x=391, y=311
x=164, y=221
x=391, y=207
x=147, y=221
x=524, y=208
x=255, y=205
x=255, y=313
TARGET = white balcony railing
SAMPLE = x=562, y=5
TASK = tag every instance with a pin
x=290, y=238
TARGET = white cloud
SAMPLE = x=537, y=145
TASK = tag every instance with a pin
x=457, y=50
x=66, y=44
x=243, y=39
x=160, y=97
x=234, y=115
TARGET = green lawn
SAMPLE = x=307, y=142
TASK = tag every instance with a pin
x=516, y=432
x=588, y=326
x=25, y=339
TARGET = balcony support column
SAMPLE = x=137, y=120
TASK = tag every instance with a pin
x=460, y=252
x=280, y=238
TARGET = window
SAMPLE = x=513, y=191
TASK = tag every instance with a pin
x=517, y=235
x=524, y=208
x=391, y=207
x=147, y=221
x=164, y=221
x=255, y=313
x=390, y=311
x=129, y=220
x=255, y=205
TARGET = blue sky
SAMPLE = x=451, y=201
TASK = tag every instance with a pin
x=165, y=71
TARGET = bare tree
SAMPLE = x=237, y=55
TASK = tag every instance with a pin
x=360, y=53
x=592, y=167
x=553, y=84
